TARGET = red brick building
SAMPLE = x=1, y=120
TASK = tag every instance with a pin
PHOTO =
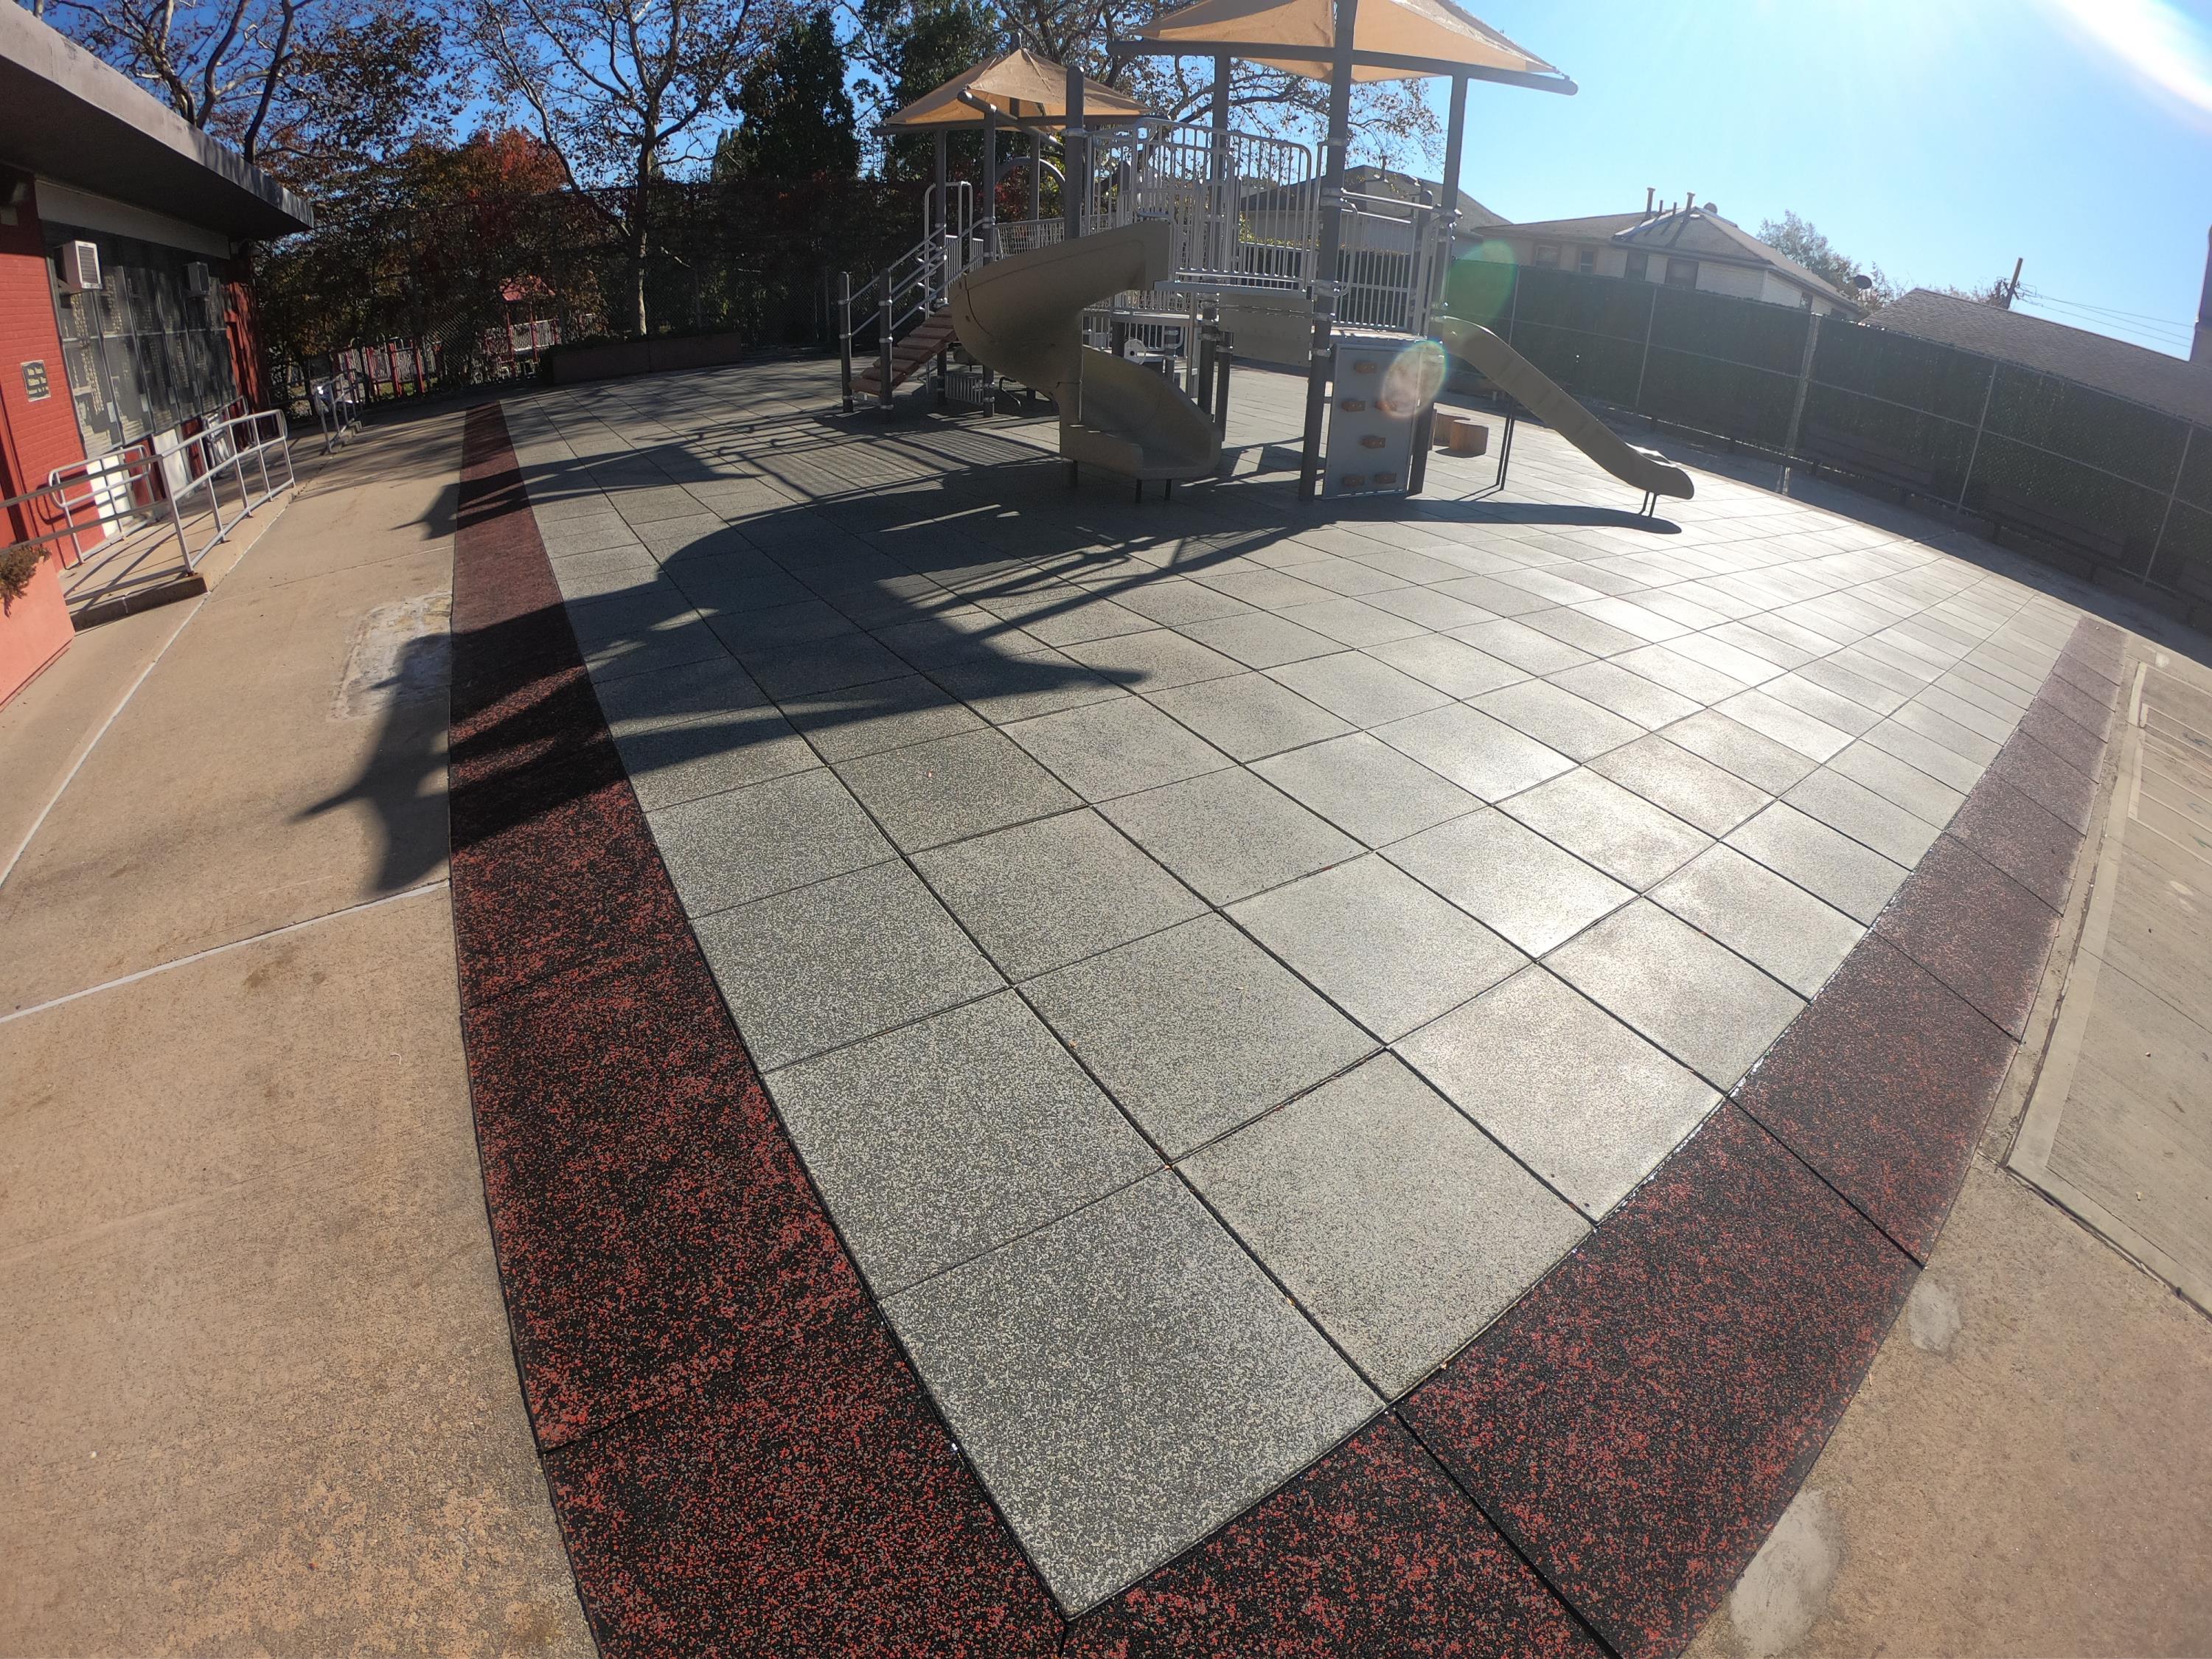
x=95, y=173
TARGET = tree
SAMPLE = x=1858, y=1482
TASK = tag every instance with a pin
x=797, y=116
x=619, y=91
x=1797, y=238
x=288, y=83
x=907, y=48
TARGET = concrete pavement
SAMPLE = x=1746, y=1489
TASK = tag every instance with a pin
x=258, y=1397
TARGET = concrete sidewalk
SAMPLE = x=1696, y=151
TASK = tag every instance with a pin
x=259, y=1396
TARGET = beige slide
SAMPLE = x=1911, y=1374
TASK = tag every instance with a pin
x=1022, y=316
x=1544, y=397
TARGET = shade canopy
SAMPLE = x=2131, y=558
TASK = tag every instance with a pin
x=1392, y=40
x=1021, y=85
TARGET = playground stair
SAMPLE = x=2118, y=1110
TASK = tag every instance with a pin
x=909, y=353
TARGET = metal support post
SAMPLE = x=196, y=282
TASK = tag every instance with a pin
x=1074, y=160
x=1446, y=230
x=845, y=336
x=991, y=182
x=1037, y=176
x=1331, y=242
x=883, y=339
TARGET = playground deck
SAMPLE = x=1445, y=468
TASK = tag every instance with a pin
x=1213, y=965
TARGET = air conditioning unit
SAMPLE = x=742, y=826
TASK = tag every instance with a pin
x=80, y=266
x=199, y=282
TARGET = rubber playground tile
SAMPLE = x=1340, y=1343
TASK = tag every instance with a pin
x=653, y=1224
x=2013, y=832
x=1370, y=1551
x=1639, y=1421
x=1975, y=929
x=809, y=1503
x=1883, y=1087
x=2081, y=749
x=1399, y=1226
x=553, y=868
x=1125, y=1380
x=544, y=716
x=2037, y=772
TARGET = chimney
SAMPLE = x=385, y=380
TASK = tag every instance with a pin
x=1651, y=194
x=2200, y=351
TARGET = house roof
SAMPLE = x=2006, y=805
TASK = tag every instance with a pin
x=2098, y=361
x=1438, y=35
x=1021, y=84
x=1693, y=233
x=73, y=120
x=1375, y=181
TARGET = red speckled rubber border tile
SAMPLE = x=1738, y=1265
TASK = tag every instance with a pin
x=1883, y=1086
x=2063, y=790
x=2009, y=829
x=742, y=1461
x=653, y=1224
x=554, y=869
x=1638, y=1421
x=1370, y=1551
x=1974, y=927
x=808, y=1503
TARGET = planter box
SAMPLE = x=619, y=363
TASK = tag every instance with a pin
x=35, y=631
x=619, y=358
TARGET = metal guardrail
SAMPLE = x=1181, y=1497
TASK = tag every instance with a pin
x=337, y=400
x=151, y=490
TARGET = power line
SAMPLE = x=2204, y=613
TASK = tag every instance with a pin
x=2038, y=296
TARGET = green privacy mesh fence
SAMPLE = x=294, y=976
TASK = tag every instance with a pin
x=2115, y=484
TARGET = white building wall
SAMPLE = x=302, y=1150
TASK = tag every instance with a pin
x=1735, y=281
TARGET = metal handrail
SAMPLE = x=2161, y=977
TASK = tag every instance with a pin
x=908, y=290
x=143, y=483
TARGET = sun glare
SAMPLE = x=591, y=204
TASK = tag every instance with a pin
x=2156, y=38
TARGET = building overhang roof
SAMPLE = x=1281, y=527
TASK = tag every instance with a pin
x=72, y=118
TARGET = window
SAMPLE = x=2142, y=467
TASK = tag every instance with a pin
x=144, y=352
x=1547, y=255
x=1586, y=261
x=1639, y=266
x=1681, y=273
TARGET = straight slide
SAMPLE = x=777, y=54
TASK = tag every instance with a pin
x=1023, y=316
x=1549, y=401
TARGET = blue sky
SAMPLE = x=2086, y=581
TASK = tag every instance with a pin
x=1940, y=139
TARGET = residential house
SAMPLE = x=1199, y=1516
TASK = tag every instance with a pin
x=1689, y=246
x=2177, y=386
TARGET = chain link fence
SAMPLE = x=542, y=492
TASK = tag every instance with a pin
x=2111, y=489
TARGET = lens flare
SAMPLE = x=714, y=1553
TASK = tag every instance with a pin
x=2155, y=39
x=1413, y=380
x=1480, y=285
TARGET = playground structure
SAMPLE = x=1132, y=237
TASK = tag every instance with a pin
x=1182, y=223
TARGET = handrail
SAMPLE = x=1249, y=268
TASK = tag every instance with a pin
x=97, y=494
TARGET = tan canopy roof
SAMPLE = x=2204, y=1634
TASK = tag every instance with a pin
x=1435, y=32
x=1023, y=85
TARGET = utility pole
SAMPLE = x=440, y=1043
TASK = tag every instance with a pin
x=2008, y=292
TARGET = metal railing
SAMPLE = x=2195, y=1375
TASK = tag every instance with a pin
x=337, y=400
x=911, y=288
x=144, y=497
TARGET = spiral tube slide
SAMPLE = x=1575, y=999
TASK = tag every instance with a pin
x=1022, y=316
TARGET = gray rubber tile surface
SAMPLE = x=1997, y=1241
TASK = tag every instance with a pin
x=945, y=1138
x=1195, y=1030
x=1397, y=1222
x=1125, y=1380
x=1381, y=946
